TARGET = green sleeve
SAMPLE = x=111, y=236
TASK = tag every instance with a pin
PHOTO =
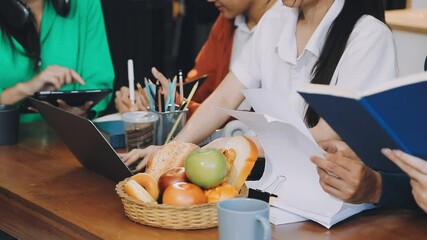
x=96, y=65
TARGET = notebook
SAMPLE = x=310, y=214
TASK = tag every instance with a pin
x=84, y=140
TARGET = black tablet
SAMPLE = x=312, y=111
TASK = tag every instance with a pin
x=71, y=97
x=189, y=85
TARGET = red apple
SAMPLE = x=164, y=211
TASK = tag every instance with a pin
x=170, y=177
x=183, y=194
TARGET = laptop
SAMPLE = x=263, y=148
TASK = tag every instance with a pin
x=85, y=141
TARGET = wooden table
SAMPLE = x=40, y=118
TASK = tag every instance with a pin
x=46, y=194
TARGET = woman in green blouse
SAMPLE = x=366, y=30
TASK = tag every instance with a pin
x=54, y=50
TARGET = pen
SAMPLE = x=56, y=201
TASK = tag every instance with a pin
x=181, y=86
x=131, y=79
x=178, y=120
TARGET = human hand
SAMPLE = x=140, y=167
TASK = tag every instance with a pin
x=343, y=175
x=80, y=110
x=52, y=78
x=416, y=169
x=136, y=154
x=162, y=79
x=123, y=103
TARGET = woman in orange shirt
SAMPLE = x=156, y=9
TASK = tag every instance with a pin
x=231, y=32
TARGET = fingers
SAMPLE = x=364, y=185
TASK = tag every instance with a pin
x=80, y=111
x=328, y=183
x=143, y=163
x=332, y=146
x=65, y=75
x=132, y=156
x=335, y=181
x=52, y=78
x=136, y=154
x=76, y=77
x=143, y=97
x=419, y=190
x=330, y=166
x=122, y=100
x=413, y=166
x=162, y=79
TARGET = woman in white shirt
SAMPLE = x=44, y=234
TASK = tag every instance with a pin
x=337, y=42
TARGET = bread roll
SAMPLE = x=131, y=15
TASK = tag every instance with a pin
x=221, y=192
x=133, y=189
x=246, y=155
x=148, y=183
x=169, y=156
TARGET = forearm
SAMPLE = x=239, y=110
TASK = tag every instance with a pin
x=207, y=118
x=15, y=94
x=322, y=131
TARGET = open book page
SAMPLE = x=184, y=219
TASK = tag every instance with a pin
x=402, y=81
x=350, y=93
x=288, y=145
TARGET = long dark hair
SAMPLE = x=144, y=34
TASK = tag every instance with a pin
x=26, y=35
x=336, y=42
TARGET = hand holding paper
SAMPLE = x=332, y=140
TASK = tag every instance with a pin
x=288, y=146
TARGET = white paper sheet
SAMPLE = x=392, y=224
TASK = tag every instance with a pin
x=288, y=146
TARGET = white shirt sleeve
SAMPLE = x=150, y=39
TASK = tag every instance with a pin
x=246, y=66
x=369, y=58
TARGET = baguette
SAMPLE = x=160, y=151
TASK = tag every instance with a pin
x=169, y=156
x=246, y=156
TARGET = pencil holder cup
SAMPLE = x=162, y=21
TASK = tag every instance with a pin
x=166, y=123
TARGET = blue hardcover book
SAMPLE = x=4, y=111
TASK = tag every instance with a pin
x=114, y=132
x=391, y=115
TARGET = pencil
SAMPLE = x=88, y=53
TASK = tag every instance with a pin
x=178, y=120
x=149, y=94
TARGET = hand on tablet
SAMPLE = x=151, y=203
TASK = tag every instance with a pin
x=53, y=78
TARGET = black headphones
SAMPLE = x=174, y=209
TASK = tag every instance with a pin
x=17, y=14
x=62, y=7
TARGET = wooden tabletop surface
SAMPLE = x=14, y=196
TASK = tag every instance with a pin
x=46, y=194
x=412, y=20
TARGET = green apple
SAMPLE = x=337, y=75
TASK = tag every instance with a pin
x=206, y=167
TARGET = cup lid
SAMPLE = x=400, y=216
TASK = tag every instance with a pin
x=139, y=116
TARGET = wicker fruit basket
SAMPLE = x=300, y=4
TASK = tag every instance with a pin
x=168, y=216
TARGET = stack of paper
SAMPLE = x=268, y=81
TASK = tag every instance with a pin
x=289, y=173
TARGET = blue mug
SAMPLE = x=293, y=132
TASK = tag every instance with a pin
x=243, y=218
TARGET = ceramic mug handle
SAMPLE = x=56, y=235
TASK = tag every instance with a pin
x=266, y=225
